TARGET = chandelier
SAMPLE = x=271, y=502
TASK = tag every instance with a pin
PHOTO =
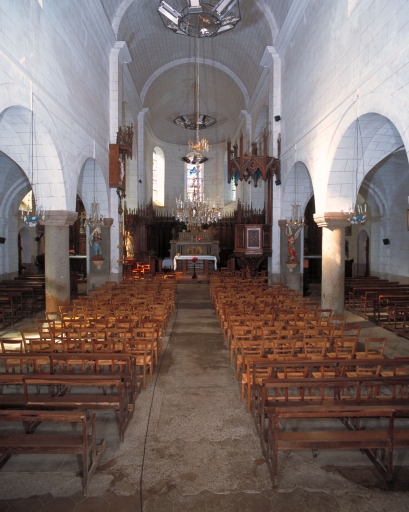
x=197, y=210
x=196, y=121
x=296, y=221
x=95, y=220
x=357, y=214
x=32, y=216
x=200, y=18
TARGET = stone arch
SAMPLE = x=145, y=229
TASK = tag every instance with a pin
x=92, y=186
x=375, y=103
x=366, y=142
x=35, y=156
x=297, y=189
x=202, y=62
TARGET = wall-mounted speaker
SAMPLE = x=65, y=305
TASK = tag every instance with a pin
x=2, y=240
x=385, y=241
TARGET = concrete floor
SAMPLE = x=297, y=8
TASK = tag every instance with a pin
x=198, y=447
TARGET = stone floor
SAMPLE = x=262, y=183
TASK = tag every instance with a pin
x=192, y=446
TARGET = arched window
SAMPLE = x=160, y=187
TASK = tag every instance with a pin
x=194, y=181
x=158, y=177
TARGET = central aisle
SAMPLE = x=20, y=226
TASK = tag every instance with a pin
x=202, y=445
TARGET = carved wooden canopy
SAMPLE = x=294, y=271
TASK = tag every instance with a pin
x=254, y=166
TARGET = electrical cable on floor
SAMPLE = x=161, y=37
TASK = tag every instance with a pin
x=149, y=419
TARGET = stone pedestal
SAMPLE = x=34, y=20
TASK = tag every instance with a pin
x=57, y=263
x=333, y=260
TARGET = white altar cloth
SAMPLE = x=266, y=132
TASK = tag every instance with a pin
x=198, y=256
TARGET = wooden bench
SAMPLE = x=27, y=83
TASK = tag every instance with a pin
x=59, y=394
x=53, y=442
x=342, y=398
x=385, y=300
x=356, y=292
x=372, y=439
x=314, y=370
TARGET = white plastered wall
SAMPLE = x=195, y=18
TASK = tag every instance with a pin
x=324, y=71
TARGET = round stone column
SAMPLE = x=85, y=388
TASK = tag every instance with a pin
x=333, y=260
x=57, y=263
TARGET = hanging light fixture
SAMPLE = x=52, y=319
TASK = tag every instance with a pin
x=32, y=216
x=197, y=210
x=196, y=146
x=357, y=214
x=296, y=221
x=95, y=219
x=198, y=18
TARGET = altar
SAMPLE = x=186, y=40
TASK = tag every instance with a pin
x=195, y=243
x=182, y=263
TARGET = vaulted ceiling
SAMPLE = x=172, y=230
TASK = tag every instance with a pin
x=162, y=66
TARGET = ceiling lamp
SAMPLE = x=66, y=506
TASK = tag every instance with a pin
x=199, y=18
x=194, y=157
x=32, y=216
x=192, y=122
x=357, y=214
x=95, y=220
x=296, y=221
x=196, y=146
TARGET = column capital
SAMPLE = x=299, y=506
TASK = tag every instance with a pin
x=108, y=222
x=282, y=223
x=270, y=54
x=331, y=220
x=59, y=218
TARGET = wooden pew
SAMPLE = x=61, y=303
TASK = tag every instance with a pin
x=371, y=440
x=385, y=300
x=74, y=367
x=345, y=399
x=82, y=443
x=45, y=391
x=315, y=369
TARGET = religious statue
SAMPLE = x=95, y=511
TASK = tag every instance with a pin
x=291, y=238
x=82, y=217
x=128, y=242
x=95, y=241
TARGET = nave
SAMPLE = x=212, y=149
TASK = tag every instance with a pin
x=202, y=450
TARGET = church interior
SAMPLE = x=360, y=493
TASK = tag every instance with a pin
x=230, y=176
